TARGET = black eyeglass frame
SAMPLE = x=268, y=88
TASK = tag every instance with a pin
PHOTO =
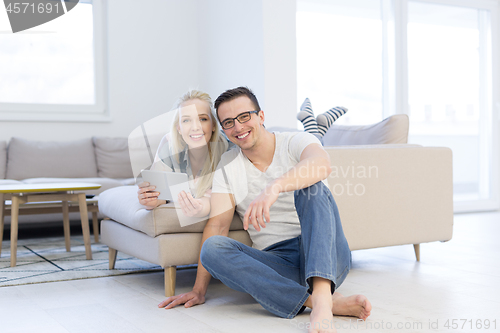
x=236, y=118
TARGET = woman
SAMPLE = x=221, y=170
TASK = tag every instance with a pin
x=194, y=146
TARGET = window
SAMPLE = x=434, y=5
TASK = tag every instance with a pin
x=339, y=56
x=430, y=59
x=55, y=70
x=449, y=77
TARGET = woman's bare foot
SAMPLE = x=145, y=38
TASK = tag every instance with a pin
x=355, y=306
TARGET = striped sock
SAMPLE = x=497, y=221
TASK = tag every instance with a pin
x=325, y=120
x=306, y=116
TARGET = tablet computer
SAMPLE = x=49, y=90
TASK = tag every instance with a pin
x=169, y=184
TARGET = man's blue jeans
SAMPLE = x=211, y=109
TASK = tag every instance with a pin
x=278, y=277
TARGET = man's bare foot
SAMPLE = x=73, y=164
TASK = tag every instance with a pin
x=321, y=303
x=321, y=319
x=355, y=306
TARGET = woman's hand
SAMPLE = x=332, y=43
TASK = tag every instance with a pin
x=147, y=196
x=188, y=299
x=189, y=205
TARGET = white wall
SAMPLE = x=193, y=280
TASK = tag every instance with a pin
x=231, y=46
x=152, y=59
x=159, y=49
x=251, y=43
x=280, y=63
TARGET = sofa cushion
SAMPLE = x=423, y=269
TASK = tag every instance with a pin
x=122, y=205
x=113, y=160
x=69, y=159
x=128, y=181
x=9, y=182
x=3, y=159
x=393, y=129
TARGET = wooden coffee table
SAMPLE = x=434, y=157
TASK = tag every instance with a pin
x=63, y=193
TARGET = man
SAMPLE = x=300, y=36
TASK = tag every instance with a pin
x=274, y=181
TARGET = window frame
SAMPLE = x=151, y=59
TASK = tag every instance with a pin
x=97, y=112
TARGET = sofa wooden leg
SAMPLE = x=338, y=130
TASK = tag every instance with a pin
x=170, y=273
x=112, y=257
x=416, y=247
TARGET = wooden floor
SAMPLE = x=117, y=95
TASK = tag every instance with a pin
x=456, y=283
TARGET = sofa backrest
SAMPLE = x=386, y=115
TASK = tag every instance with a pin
x=3, y=159
x=69, y=159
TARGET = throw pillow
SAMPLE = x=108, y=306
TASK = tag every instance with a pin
x=113, y=160
x=391, y=130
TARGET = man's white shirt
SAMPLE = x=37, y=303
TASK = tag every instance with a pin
x=238, y=176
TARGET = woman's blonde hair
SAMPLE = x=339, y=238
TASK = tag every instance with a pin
x=216, y=146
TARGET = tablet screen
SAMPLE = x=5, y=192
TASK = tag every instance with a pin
x=169, y=184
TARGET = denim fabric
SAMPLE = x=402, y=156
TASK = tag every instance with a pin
x=278, y=277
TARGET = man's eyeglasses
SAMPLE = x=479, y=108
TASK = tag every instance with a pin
x=242, y=118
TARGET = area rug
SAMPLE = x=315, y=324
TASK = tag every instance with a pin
x=46, y=260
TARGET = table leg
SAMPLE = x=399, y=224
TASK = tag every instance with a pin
x=95, y=226
x=66, y=227
x=2, y=206
x=14, y=215
x=82, y=202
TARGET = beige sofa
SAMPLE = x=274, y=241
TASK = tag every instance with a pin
x=99, y=160
x=390, y=193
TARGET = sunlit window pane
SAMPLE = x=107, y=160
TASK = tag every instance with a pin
x=339, y=57
x=447, y=89
x=49, y=64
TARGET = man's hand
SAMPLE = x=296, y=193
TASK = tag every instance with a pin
x=147, y=196
x=258, y=210
x=188, y=299
x=189, y=205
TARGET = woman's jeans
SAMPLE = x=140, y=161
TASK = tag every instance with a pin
x=278, y=277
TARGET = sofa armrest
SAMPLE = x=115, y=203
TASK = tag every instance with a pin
x=392, y=195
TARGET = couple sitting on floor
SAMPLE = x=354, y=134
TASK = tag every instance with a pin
x=276, y=182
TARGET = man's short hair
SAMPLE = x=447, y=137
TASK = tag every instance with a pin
x=231, y=94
